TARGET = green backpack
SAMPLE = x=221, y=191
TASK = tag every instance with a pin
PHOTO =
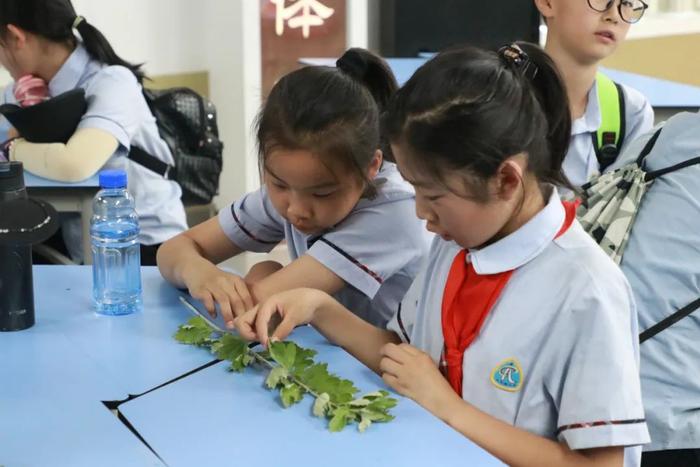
x=608, y=140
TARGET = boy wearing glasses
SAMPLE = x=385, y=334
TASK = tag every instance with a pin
x=581, y=33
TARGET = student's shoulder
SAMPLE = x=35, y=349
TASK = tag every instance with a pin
x=590, y=271
x=391, y=187
x=114, y=78
x=635, y=101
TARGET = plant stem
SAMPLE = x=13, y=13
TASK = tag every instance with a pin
x=269, y=364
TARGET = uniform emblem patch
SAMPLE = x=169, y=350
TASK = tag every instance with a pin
x=508, y=376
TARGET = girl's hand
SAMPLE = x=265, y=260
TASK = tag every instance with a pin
x=280, y=314
x=412, y=373
x=12, y=133
x=212, y=286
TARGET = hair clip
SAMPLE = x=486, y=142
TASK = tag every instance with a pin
x=76, y=22
x=514, y=55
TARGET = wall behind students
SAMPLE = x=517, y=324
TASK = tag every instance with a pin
x=668, y=57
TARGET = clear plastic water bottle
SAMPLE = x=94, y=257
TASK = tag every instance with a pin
x=116, y=252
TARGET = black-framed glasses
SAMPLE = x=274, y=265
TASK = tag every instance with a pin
x=631, y=11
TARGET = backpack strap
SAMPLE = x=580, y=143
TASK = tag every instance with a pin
x=152, y=163
x=669, y=321
x=681, y=165
x=648, y=147
x=608, y=140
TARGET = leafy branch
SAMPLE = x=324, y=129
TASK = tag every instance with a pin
x=294, y=373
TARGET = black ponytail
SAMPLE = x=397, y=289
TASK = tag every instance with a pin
x=551, y=93
x=333, y=112
x=373, y=72
x=100, y=49
x=469, y=110
x=55, y=21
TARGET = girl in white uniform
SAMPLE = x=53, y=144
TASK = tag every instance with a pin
x=581, y=34
x=329, y=191
x=519, y=333
x=39, y=38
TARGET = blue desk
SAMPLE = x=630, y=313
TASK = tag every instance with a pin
x=50, y=412
x=55, y=375
x=241, y=423
x=661, y=93
x=137, y=350
x=68, y=197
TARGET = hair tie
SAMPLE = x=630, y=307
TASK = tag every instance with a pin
x=76, y=22
x=352, y=64
x=516, y=57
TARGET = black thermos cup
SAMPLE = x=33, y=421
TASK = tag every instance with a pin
x=16, y=284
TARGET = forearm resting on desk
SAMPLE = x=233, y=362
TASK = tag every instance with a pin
x=84, y=154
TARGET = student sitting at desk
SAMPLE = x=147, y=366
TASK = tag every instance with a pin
x=532, y=325
x=38, y=38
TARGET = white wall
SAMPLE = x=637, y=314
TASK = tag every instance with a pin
x=165, y=34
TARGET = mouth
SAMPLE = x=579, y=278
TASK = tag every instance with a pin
x=607, y=36
x=437, y=232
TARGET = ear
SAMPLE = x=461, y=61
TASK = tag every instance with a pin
x=510, y=177
x=375, y=164
x=546, y=8
x=16, y=37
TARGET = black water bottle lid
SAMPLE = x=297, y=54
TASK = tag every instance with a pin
x=11, y=176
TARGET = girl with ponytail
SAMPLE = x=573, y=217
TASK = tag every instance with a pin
x=519, y=332
x=330, y=189
x=49, y=50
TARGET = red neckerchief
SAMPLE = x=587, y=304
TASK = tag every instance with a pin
x=467, y=301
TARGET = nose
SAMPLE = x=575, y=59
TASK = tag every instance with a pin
x=612, y=14
x=298, y=210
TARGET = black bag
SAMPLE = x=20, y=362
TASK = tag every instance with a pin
x=187, y=123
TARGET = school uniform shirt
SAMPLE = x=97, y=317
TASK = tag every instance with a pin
x=115, y=104
x=662, y=263
x=558, y=354
x=377, y=249
x=580, y=163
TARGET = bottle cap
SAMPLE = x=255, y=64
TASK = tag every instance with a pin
x=113, y=179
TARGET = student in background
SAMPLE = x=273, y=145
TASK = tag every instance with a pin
x=329, y=191
x=580, y=34
x=46, y=40
x=532, y=325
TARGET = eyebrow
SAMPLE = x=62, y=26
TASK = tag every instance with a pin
x=319, y=186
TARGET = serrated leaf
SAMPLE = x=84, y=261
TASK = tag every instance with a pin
x=276, y=376
x=288, y=354
x=321, y=405
x=362, y=402
x=383, y=404
x=195, y=332
x=283, y=353
x=233, y=349
x=320, y=380
x=304, y=359
x=376, y=416
x=291, y=394
x=365, y=422
x=375, y=395
x=339, y=419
